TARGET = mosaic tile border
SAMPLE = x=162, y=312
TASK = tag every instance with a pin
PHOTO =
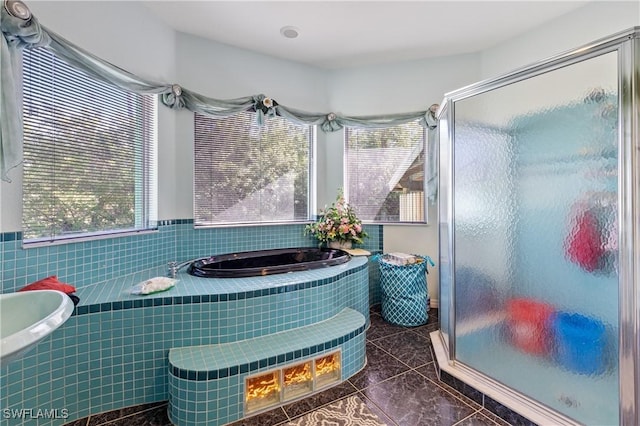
x=10, y=236
x=18, y=235
x=168, y=222
x=272, y=361
x=213, y=298
x=91, y=262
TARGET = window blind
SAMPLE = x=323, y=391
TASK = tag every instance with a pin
x=384, y=173
x=89, y=153
x=245, y=173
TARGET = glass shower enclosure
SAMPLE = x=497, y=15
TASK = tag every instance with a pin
x=538, y=218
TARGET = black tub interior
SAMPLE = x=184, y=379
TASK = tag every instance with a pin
x=266, y=262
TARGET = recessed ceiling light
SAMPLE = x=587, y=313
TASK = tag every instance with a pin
x=289, y=32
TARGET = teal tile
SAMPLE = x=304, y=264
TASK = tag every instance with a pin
x=202, y=321
x=15, y=400
x=29, y=394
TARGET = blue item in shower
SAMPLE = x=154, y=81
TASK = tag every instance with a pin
x=580, y=343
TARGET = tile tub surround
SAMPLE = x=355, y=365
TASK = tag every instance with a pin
x=112, y=352
x=398, y=392
x=99, y=261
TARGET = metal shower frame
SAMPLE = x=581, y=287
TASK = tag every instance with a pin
x=627, y=45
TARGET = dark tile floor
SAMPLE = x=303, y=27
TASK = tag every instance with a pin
x=399, y=384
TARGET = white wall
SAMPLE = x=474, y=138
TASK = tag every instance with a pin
x=128, y=35
x=580, y=27
x=223, y=72
x=394, y=88
x=589, y=23
x=125, y=34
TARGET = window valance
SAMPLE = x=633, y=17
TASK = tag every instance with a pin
x=20, y=30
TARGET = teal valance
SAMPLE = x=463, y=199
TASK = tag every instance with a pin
x=20, y=30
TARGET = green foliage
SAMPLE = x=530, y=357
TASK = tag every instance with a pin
x=235, y=158
x=86, y=151
x=371, y=168
x=79, y=180
x=401, y=136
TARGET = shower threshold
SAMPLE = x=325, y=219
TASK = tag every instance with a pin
x=521, y=404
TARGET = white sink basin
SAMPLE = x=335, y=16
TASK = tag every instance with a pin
x=27, y=317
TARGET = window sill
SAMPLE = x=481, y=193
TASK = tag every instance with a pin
x=43, y=242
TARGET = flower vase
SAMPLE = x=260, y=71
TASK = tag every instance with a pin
x=342, y=245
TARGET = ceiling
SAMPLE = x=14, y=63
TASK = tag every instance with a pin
x=338, y=34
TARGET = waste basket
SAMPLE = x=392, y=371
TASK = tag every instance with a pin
x=404, y=293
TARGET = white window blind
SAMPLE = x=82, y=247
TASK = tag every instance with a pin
x=89, y=153
x=384, y=173
x=245, y=173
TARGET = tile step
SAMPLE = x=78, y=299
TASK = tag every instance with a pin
x=208, y=362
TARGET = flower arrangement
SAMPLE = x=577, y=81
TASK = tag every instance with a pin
x=337, y=223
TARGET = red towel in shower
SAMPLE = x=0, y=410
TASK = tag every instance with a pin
x=583, y=244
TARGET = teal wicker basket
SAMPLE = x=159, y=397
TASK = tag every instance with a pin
x=404, y=293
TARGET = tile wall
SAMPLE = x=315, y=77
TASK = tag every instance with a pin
x=91, y=262
x=98, y=359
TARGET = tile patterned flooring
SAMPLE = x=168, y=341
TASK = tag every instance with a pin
x=399, y=384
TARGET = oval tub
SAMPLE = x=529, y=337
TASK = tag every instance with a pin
x=266, y=262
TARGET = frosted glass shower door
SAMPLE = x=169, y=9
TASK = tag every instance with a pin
x=535, y=208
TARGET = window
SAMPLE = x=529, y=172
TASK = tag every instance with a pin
x=89, y=153
x=384, y=173
x=245, y=173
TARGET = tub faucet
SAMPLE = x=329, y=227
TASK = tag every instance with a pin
x=173, y=269
x=174, y=266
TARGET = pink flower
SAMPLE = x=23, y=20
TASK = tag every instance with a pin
x=338, y=221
